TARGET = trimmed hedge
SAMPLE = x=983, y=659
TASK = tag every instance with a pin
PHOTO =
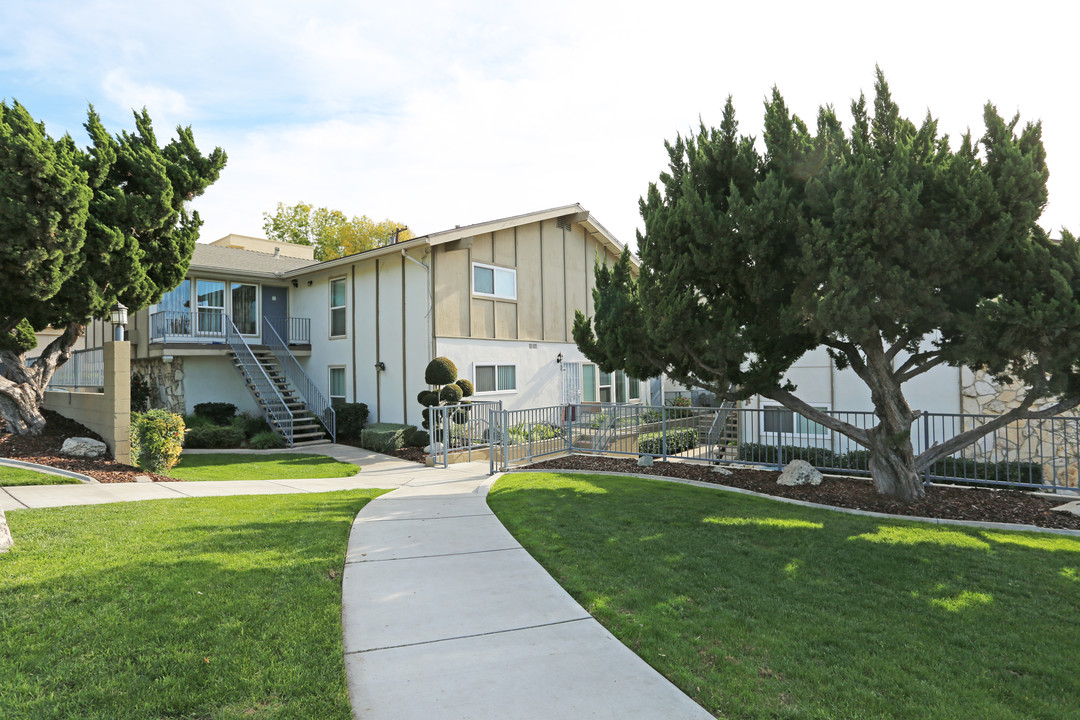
x=221, y=413
x=214, y=437
x=351, y=418
x=415, y=437
x=383, y=437
x=679, y=440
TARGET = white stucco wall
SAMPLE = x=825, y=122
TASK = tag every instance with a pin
x=214, y=379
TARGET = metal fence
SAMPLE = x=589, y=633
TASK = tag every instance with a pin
x=468, y=431
x=84, y=369
x=1043, y=454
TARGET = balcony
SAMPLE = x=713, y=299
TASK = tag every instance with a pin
x=207, y=327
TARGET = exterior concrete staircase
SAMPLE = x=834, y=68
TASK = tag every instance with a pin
x=306, y=428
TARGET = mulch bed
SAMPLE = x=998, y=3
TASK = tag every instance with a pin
x=954, y=503
x=45, y=450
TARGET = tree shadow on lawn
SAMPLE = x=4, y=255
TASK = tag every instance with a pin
x=761, y=609
x=222, y=607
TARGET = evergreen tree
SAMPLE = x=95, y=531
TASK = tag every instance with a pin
x=885, y=245
x=83, y=229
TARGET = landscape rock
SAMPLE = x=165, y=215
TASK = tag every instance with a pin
x=720, y=470
x=5, y=534
x=645, y=461
x=799, y=472
x=83, y=447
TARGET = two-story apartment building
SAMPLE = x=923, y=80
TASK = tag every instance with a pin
x=497, y=298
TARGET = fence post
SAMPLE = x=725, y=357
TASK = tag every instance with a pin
x=780, y=448
x=663, y=432
x=926, y=446
x=505, y=423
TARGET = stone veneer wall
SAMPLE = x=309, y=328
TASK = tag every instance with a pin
x=166, y=380
x=1054, y=441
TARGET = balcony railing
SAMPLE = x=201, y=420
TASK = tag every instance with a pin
x=84, y=369
x=207, y=325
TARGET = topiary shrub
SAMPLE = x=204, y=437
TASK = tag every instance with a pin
x=450, y=395
x=427, y=398
x=267, y=440
x=351, y=419
x=383, y=437
x=440, y=371
x=214, y=437
x=157, y=437
x=466, y=386
x=221, y=413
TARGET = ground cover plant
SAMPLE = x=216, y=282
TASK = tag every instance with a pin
x=761, y=609
x=257, y=466
x=11, y=476
x=200, y=608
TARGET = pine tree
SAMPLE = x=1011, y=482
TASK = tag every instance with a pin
x=884, y=245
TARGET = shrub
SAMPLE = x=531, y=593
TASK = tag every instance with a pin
x=450, y=394
x=383, y=437
x=440, y=371
x=466, y=386
x=141, y=392
x=251, y=425
x=214, y=437
x=818, y=457
x=196, y=421
x=157, y=438
x=220, y=412
x=266, y=440
x=351, y=418
x=538, y=431
x=415, y=437
x=679, y=440
x=427, y=398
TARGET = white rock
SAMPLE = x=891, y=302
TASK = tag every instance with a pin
x=645, y=461
x=720, y=470
x=799, y=472
x=5, y=534
x=83, y=447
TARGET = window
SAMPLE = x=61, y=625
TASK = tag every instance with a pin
x=635, y=388
x=337, y=307
x=588, y=383
x=620, y=386
x=785, y=422
x=494, y=378
x=605, y=387
x=173, y=314
x=494, y=281
x=337, y=385
x=210, y=295
x=245, y=308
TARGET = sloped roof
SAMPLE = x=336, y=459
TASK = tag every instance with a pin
x=225, y=259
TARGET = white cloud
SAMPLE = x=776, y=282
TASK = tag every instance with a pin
x=166, y=106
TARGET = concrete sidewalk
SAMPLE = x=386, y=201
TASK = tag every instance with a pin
x=444, y=614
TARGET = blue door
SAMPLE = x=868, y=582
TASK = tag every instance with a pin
x=276, y=308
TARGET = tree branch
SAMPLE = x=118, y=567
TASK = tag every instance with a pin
x=851, y=352
x=902, y=376
x=810, y=412
x=900, y=344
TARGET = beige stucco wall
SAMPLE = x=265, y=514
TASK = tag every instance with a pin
x=107, y=413
x=246, y=242
x=554, y=266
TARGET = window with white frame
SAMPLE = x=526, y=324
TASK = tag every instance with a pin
x=337, y=307
x=635, y=388
x=494, y=378
x=605, y=387
x=337, y=385
x=493, y=281
x=776, y=419
x=210, y=297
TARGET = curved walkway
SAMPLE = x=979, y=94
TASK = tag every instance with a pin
x=444, y=614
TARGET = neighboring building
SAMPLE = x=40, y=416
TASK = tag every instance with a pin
x=497, y=298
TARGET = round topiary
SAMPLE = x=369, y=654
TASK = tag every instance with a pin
x=427, y=398
x=466, y=387
x=440, y=371
x=451, y=394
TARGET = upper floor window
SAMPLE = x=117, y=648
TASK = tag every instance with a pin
x=337, y=307
x=494, y=281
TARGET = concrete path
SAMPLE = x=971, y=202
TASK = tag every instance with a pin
x=444, y=614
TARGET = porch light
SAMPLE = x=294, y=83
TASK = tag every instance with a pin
x=558, y=358
x=118, y=318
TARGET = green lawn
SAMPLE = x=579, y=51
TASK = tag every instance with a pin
x=11, y=476
x=260, y=466
x=760, y=609
x=201, y=608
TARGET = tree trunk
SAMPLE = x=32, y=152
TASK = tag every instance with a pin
x=892, y=464
x=20, y=406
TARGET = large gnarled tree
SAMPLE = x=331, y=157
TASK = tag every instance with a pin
x=81, y=229
x=884, y=244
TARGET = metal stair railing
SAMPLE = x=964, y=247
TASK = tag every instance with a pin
x=719, y=428
x=315, y=401
x=266, y=391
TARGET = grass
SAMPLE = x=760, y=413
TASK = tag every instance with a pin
x=760, y=609
x=12, y=476
x=203, y=608
x=260, y=466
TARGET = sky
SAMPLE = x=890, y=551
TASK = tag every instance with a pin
x=437, y=114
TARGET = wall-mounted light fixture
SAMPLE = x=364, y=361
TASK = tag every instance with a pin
x=380, y=365
x=294, y=283
x=118, y=318
x=309, y=283
x=558, y=358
